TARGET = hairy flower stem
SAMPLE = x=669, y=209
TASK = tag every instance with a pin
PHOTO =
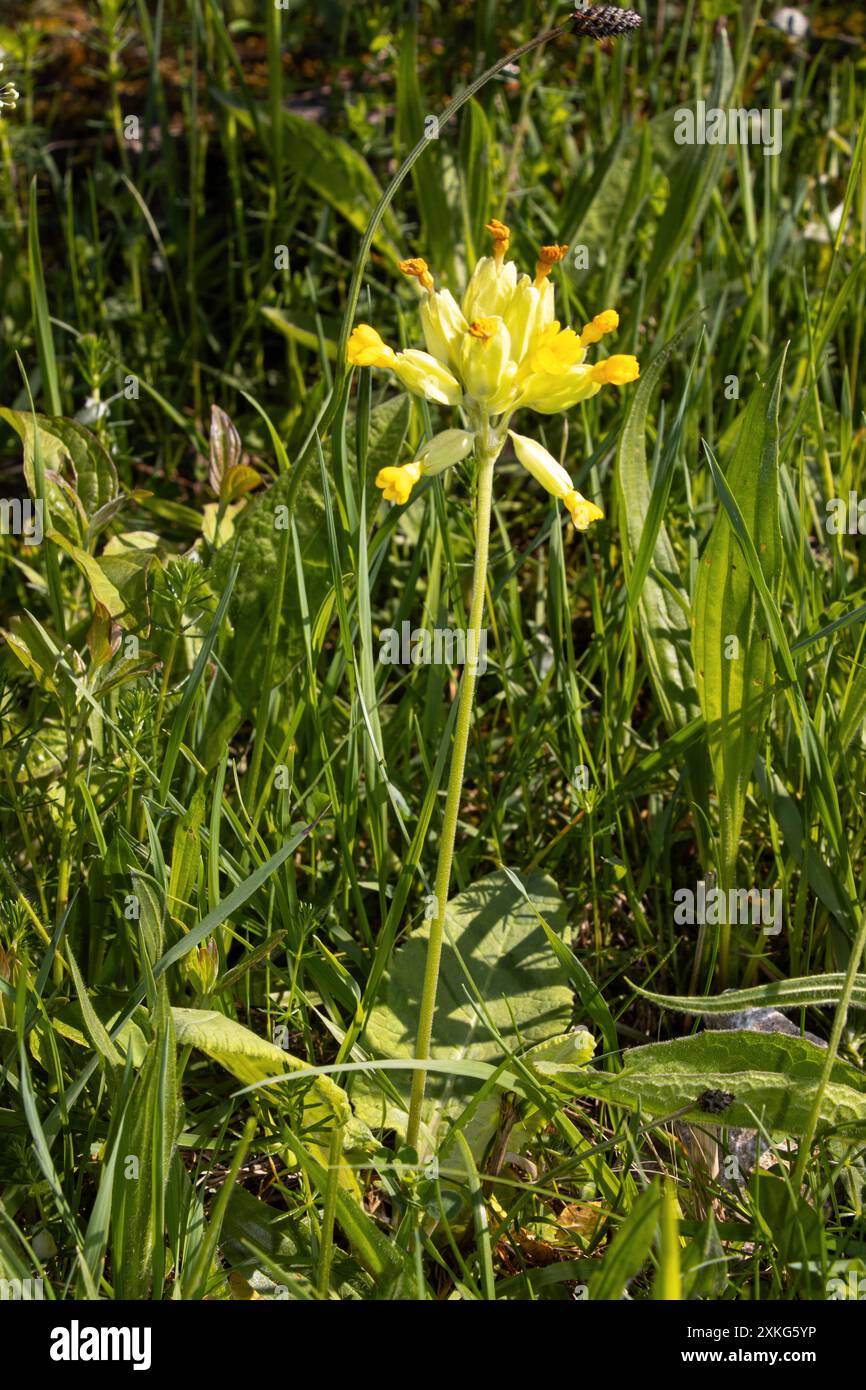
x=486, y=460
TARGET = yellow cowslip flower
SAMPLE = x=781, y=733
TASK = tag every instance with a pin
x=424, y=374
x=397, y=483
x=367, y=349
x=502, y=350
x=420, y=372
x=548, y=394
x=554, y=351
x=616, y=371
x=552, y=476
x=607, y=322
x=485, y=354
x=529, y=312
x=441, y=452
x=493, y=280
x=444, y=326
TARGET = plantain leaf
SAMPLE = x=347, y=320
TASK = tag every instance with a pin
x=801, y=993
x=150, y=1126
x=186, y=855
x=663, y=620
x=733, y=656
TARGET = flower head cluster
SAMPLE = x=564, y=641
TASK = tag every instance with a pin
x=8, y=95
x=500, y=351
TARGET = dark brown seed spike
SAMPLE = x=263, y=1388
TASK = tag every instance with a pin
x=604, y=21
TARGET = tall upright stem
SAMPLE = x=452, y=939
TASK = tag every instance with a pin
x=486, y=460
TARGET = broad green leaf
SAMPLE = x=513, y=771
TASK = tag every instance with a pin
x=69, y=449
x=249, y=1057
x=101, y=587
x=117, y=579
x=733, y=656
x=509, y=966
x=773, y=1078
x=663, y=620
x=252, y=1059
x=149, y=1131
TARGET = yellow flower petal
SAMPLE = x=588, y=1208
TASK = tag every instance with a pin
x=542, y=465
x=618, y=370
x=418, y=269
x=601, y=324
x=485, y=354
x=555, y=352
x=367, y=348
x=583, y=512
x=397, y=483
x=426, y=376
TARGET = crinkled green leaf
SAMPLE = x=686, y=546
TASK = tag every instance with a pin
x=773, y=1078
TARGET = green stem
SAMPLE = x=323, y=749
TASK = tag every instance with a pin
x=839, y=1019
x=64, y=868
x=486, y=460
x=332, y=1182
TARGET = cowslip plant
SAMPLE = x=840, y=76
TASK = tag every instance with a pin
x=500, y=351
